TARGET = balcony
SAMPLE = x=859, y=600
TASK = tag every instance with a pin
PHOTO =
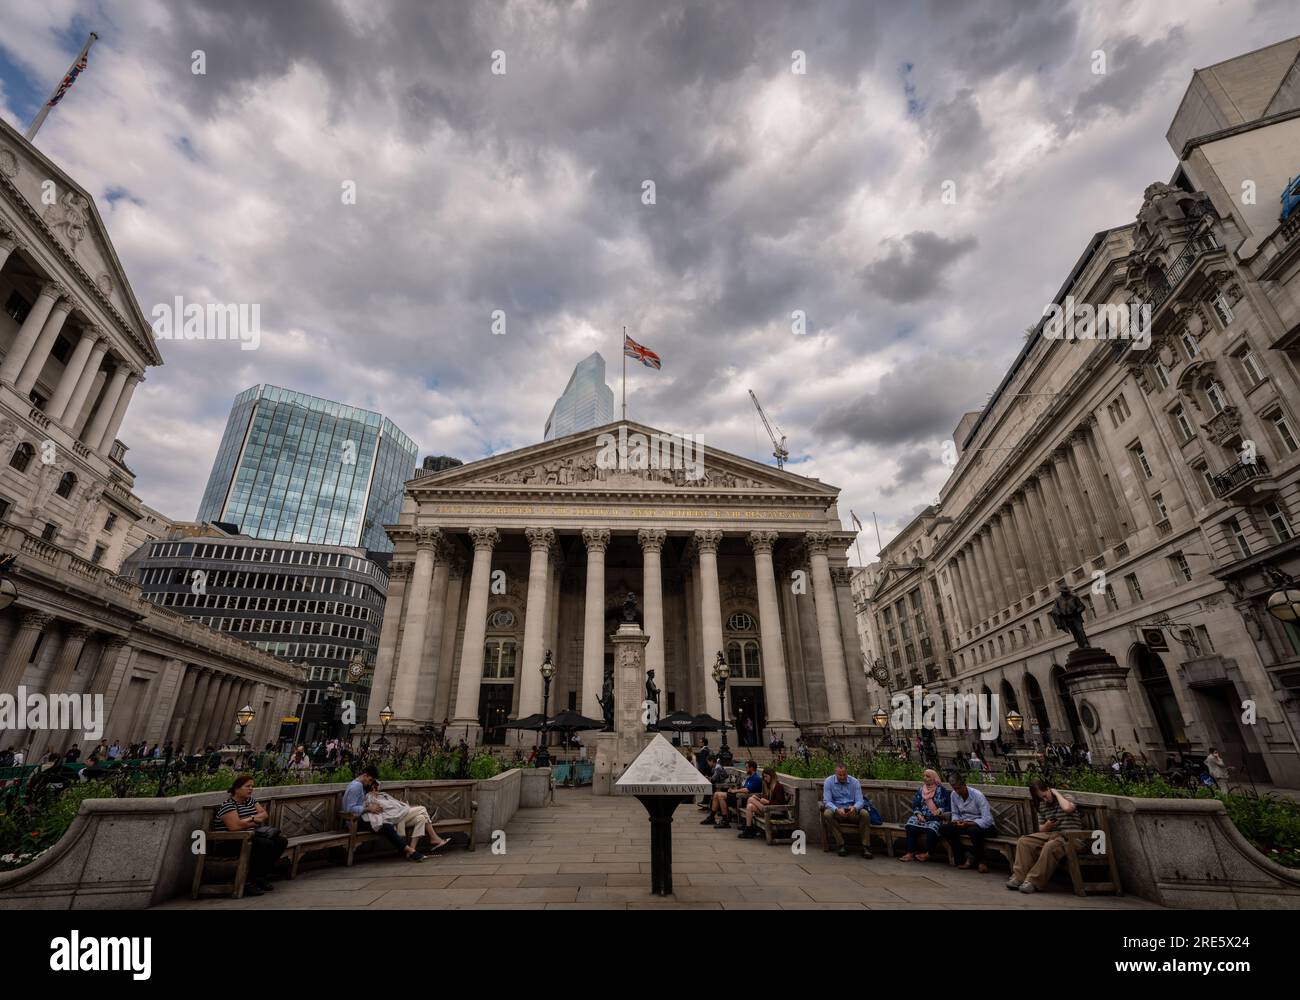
x=1172, y=276
x=1242, y=481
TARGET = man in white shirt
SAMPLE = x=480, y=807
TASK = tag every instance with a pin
x=972, y=817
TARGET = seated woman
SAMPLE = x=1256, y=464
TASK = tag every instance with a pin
x=243, y=812
x=403, y=817
x=930, y=807
x=772, y=794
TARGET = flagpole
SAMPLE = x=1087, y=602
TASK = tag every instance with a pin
x=877, y=524
x=624, y=353
x=39, y=120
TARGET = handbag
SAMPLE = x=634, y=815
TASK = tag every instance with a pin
x=873, y=814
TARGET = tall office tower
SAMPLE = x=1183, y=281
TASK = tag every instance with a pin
x=586, y=402
x=296, y=468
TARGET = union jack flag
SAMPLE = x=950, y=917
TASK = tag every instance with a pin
x=69, y=80
x=647, y=357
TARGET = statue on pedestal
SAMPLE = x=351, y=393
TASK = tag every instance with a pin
x=1067, y=615
x=629, y=609
x=606, y=699
x=652, y=692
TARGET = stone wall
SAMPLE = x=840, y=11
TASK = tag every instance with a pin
x=1181, y=853
x=135, y=852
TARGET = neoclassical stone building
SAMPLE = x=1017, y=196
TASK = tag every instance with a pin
x=73, y=346
x=1160, y=481
x=498, y=561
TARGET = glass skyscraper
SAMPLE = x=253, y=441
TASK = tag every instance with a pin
x=297, y=468
x=586, y=402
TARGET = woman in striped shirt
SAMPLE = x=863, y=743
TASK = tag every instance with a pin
x=242, y=812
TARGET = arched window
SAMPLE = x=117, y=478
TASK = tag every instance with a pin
x=499, y=657
x=66, y=485
x=22, y=457
x=744, y=660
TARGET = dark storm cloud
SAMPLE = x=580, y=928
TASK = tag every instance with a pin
x=912, y=267
x=1133, y=68
x=913, y=465
x=918, y=401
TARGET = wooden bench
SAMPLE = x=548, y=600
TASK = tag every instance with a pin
x=311, y=824
x=777, y=822
x=238, y=863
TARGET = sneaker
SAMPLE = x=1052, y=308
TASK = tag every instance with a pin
x=844, y=852
x=1012, y=884
x=867, y=854
x=1028, y=887
x=749, y=833
x=708, y=820
x=252, y=890
x=417, y=856
x=725, y=825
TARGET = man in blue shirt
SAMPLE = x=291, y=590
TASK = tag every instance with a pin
x=354, y=801
x=971, y=816
x=843, y=802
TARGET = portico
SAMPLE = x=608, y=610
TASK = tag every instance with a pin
x=535, y=550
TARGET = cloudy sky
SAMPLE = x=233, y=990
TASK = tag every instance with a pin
x=775, y=192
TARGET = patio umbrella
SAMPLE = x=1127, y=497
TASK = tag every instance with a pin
x=569, y=722
x=535, y=723
x=677, y=722
x=707, y=724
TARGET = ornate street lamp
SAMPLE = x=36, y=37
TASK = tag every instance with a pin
x=881, y=718
x=243, y=717
x=548, y=672
x=721, y=672
x=1015, y=721
x=1284, y=603
x=385, y=717
x=8, y=589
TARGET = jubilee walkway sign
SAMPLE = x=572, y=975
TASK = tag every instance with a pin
x=661, y=779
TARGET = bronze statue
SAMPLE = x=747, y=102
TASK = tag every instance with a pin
x=606, y=699
x=629, y=608
x=1067, y=615
x=652, y=692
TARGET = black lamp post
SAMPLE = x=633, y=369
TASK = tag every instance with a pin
x=548, y=672
x=243, y=717
x=881, y=719
x=385, y=717
x=720, y=674
x=334, y=695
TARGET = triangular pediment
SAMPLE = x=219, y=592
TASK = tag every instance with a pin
x=68, y=215
x=623, y=456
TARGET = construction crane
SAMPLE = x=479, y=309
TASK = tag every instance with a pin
x=779, y=451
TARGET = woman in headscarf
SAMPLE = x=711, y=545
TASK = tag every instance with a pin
x=930, y=807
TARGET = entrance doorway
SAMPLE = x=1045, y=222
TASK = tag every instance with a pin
x=1224, y=709
x=1150, y=669
x=747, y=707
x=494, y=702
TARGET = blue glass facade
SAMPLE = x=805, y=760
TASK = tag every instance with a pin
x=297, y=468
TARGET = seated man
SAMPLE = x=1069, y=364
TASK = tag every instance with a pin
x=842, y=799
x=355, y=801
x=403, y=817
x=1038, y=854
x=971, y=816
x=720, y=778
x=735, y=796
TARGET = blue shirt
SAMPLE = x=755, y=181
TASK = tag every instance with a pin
x=354, y=797
x=846, y=794
x=974, y=808
x=754, y=783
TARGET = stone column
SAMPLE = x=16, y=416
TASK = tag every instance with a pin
x=1103, y=506
x=1015, y=551
x=9, y=242
x=72, y=373
x=381, y=683
x=965, y=589
x=417, y=619
x=431, y=663
x=44, y=344
x=1048, y=553
x=450, y=626
x=103, y=412
x=1002, y=560
x=1058, y=520
x=119, y=412
x=1072, y=496
x=707, y=541
x=184, y=703
x=1028, y=541
x=25, y=342
x=776, y=684
x=835, y=673
x=540, y=541
x=214, y=726
x=593, y=622
x=73, y=645
x=190, y=731
x=471, y=653
x=15, y=665
x=652, y=544
x=72, y=415
x=694, y=644
x=988, y=591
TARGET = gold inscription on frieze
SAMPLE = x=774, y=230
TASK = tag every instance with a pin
x=651, y=513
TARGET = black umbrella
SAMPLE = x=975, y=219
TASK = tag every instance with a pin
x=708, y=724
x=573, y=722
x=535, y=723
x=677, y=722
